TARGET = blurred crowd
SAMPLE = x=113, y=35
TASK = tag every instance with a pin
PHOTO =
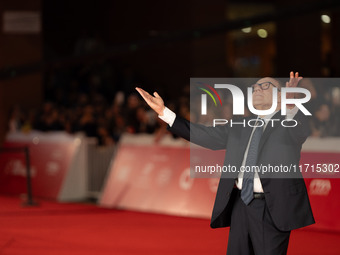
x=92, y=116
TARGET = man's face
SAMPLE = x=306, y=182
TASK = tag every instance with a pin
x=263, y=98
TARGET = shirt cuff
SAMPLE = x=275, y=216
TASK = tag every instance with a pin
x=291, y=113
x=168, y=116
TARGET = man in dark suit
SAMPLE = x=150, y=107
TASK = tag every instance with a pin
x=260, y=209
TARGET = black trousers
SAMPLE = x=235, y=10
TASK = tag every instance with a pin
x=252, y=230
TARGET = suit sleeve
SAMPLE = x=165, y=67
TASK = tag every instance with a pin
x=214, y=138
x=302, y=130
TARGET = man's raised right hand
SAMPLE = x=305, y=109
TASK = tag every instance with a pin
x=155, y=102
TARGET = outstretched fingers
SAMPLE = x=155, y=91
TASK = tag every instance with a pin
x=293, y=79
x=156, y=94
x=155, y=102
x=146, y=96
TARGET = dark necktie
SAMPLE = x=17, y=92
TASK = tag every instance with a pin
x=247, y=192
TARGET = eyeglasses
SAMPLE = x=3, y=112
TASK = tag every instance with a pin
x=264, y=86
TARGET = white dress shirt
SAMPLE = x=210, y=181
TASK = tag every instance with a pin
x=169, y=117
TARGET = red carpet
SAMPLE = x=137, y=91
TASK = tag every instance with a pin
x=53, y=228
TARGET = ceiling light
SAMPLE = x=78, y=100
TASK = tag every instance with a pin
x=325, y=19
x=262, y=33
x=246, y=30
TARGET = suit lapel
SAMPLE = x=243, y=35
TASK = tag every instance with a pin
x=269, y=129
x=245, y=135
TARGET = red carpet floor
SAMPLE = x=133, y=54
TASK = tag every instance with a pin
x=53, y=228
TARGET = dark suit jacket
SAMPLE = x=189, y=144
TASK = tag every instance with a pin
x=286, y=198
